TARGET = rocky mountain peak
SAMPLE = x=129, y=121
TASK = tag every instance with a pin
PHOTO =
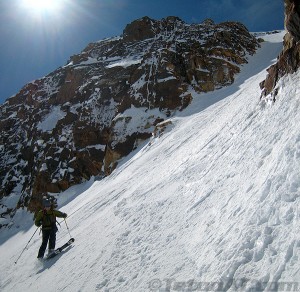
x=146, y=27
x=81, y=119
x=140, y=29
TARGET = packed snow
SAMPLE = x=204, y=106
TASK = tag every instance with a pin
x=212, y=204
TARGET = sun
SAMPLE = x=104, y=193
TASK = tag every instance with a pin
x=40, y=6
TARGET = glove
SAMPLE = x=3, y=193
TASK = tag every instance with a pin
x=65, y=215
x=38, y=224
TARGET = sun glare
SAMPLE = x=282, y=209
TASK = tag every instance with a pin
x=41, y=5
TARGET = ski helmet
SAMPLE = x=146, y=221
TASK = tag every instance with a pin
x=46, y=203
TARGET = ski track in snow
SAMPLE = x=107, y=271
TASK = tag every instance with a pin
x=212, y=203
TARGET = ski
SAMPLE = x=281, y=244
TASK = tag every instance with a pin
x=60, y=249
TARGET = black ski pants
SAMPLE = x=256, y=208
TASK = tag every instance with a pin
x=49, y=235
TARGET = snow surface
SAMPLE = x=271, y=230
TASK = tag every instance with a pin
x=212, y=204
x=130, y=120
x=50, y=121
x=125, y=63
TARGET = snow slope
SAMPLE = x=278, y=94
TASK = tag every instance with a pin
x=210, y=205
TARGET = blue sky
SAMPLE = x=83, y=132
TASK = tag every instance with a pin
x=34, y=42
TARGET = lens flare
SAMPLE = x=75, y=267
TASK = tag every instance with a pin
x=41, y=5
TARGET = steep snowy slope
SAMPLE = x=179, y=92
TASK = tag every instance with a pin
x=210, y=205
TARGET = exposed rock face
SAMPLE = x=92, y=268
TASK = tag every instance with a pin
x=140, y=29
x=292, y=18
x=289, y=59
x=79, y=120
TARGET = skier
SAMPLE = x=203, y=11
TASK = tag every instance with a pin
x=47, y=219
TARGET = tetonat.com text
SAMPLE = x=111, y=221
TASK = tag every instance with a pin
x=157, y=285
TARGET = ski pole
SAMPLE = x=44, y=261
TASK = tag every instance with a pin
x=26, y=245
x=68, y=227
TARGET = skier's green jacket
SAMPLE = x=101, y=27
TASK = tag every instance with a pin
x=47, y=218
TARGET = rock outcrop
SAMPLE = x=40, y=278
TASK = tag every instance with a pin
x=81, y=119
x=289, y=59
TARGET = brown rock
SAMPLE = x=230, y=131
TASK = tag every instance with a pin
x=139, y=30
x=289, y=59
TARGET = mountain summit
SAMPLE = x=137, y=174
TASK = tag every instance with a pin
x=81, y=119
